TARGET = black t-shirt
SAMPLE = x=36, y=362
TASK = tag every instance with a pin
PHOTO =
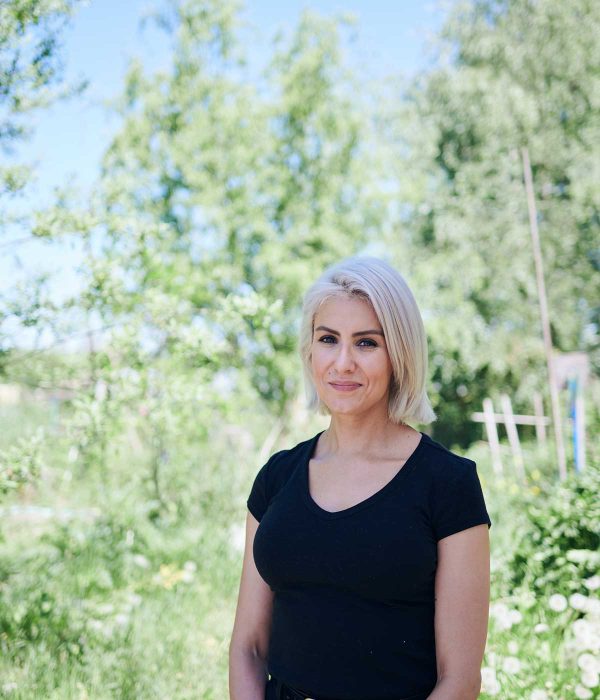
x=353, y=610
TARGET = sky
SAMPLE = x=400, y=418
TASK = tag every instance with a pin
x=69, y=138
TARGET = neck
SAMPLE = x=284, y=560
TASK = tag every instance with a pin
x=352, y=435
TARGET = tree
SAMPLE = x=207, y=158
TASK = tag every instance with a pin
x=31, y=78
x=31, y=74
x=218, y=200
x=510, y=73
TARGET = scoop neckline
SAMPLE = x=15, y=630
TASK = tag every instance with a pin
x=386, y=488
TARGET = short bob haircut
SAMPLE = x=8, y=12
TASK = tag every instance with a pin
x=373, y=280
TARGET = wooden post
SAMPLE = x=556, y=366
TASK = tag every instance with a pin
x=540, y=425
x=513, y=435
x=539, y=273
x=579, y=427
x=492, y=435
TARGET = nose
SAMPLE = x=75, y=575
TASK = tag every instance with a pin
x=344, y=360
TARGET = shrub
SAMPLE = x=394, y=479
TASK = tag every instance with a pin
x=560, y=546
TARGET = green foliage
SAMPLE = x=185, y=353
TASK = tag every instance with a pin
x=218, y=200
x=221, y=197
x=35, y=606
x=508, y=74
x=103, y=602
x=561, y=545
x=542, y=647
x=21, y=463
x=30, y=71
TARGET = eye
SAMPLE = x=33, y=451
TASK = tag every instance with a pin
x=326, y=338
x=371, y=343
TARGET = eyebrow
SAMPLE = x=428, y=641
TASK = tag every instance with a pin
x=330, y=330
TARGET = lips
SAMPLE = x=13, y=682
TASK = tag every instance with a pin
x=344, y=386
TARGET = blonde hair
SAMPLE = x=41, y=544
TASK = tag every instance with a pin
x=375, y=281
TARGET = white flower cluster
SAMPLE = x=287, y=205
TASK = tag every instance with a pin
x=583, y=642
x=107, y=619
x=539, y=694
x=504, y=616
x=509, y=665
x=489, y=682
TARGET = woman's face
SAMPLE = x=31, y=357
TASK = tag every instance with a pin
x=349, y=358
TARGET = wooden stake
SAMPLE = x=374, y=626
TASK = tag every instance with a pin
x=513, y=435
x=540, y=423
x=539, y=273
x=492, y=435
x=579, y=428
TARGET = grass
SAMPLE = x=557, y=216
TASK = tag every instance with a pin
x=113, y=604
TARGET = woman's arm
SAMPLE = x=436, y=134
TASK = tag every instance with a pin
x=462, y=600
x=250, y=637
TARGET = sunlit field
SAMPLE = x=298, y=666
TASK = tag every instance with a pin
x=149, y=315
x=101, y=601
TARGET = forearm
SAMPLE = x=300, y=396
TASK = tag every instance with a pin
x=449, y=688
x=247, y=675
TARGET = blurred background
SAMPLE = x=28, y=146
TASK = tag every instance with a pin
x=172, y=178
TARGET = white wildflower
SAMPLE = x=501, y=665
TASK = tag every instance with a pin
x=121, y=619
x=588, y=662
x=141, y=561
x=504, y=617
x=593, y=606
x=582, y=692
x=541, y=627
x=511, y=665
x=515, y=616
x=9, y=687
x=578, y=601
x=96, y=625
x=492, y=658
x=190, y=566
x=592, y=583
x=586, y=635
x=590, y=679
x=187, y=576
x=557, y=602
x=489, y=682
x=513, y=647
x=539, y=694
x=134, y=599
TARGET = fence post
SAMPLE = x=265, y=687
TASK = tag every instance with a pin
x=492, y=435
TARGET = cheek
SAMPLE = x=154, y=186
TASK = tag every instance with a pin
x=317, y=360
x=381, y=371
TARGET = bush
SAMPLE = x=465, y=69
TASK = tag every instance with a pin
x=54, y=595
x=560, y=546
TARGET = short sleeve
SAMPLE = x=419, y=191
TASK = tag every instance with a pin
x=458, y=502
x=258, y=500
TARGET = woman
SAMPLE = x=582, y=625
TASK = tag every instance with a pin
x=368, y=576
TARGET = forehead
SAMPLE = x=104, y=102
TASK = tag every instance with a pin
x=347, y=311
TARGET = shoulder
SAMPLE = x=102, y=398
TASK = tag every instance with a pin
x=456, y=499
x=281, y=464
x=443, y=464
x=274, y=474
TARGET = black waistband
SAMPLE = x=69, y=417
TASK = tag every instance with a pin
x=286, y=692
